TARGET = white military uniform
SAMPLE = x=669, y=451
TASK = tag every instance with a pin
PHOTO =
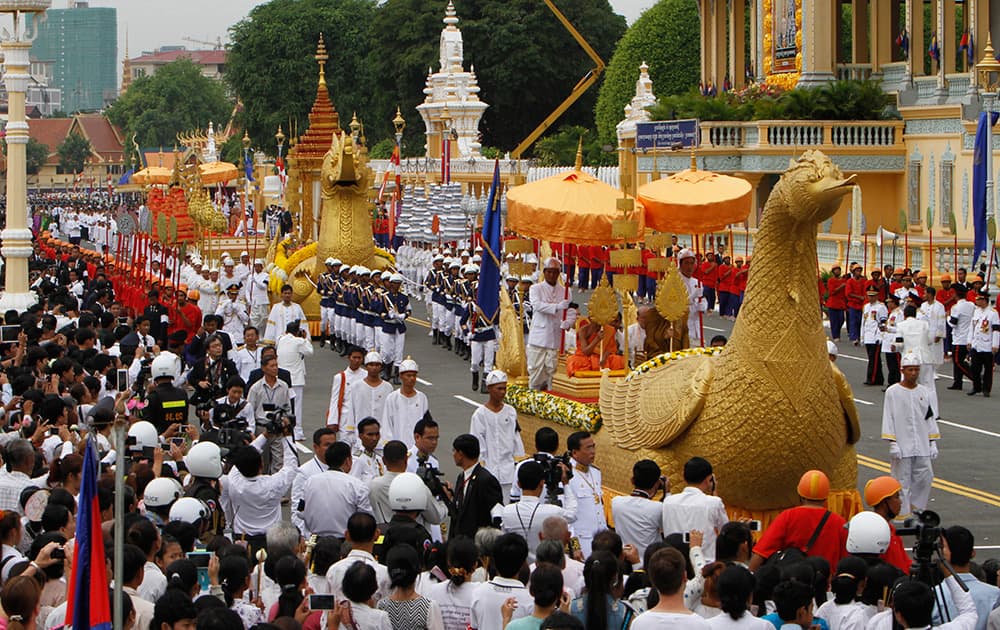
x=908, y=423
x=590, y=519
x=292, y=352
x=255, y=293
x=961, y=321
x=499, y=443
x=871, y=316
x=366, y=465
x=548, y=304
x=234, y=317
x=401, y=414
x=280, y=317
x=246, y=360
x=933, y=313
x=918, y=340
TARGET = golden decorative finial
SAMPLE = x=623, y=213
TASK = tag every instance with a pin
x=579, y=155
x=321, y=58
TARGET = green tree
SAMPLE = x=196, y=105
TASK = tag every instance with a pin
x=667, y=38
x=36, y=155
x=559, y=148
x=525, y=60
x=177, y=98
x=73, y=153
x=271, y=64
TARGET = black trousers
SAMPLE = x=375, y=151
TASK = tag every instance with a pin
x=982, y=371
x=892, y=367
x=958, y=368
x=874, y=375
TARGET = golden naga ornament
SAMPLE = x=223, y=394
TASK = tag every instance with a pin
x=671, y=295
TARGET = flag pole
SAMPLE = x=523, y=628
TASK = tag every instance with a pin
x=119, y=536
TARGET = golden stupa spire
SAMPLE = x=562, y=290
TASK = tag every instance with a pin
x=321, y=58
x=579, y=155
x=126, y=67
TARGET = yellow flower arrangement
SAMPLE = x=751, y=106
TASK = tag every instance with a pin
x=570, y=413
x=667, y=357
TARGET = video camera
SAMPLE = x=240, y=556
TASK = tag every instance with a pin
x=279, y=421
x=554, y=474
x=927, y=528
x=431, y=477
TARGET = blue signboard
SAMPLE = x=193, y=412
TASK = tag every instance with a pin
x=667, y=134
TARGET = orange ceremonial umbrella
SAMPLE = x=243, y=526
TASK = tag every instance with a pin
x=695, y=202
x=571, y=207
x=152, y=175
x=215, y=172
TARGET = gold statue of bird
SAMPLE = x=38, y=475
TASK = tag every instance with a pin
x=771, y=405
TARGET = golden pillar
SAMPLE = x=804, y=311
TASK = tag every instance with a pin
x=719, y=41
x=737, y=43
x=915, y=29
x=818, y=42
x=881, y=36
x=949, y=44
x=859, y=32
x=16, y=236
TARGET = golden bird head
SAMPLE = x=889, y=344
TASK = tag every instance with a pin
x=811, y=189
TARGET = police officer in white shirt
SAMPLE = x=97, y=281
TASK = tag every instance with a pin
x=983, y=342
x=332, y=496
x=252, y=501
x=323, y=438
x=696, y=507
x=638, y=518
x=367, y=454
x=586, y=487
x=527, y=515
x=960, y=322
x=247, y=356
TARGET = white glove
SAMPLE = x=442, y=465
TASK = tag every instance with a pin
x=894, y=451
x=934, y=450
x=563, y=305
x=566, y=324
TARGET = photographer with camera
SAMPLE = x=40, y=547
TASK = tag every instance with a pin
x=209, y=376
x=527, y=515
x=558, y=471
x=167, y=404
x=267, y=397
x=251, y=499
x=913, y=601
x=228, y=421
x=433, y=511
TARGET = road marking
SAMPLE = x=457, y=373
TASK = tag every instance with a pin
x=302, y=448
x=863, y=402
x=852, y=357
x=941, y=484
x=715, y=329
x=418, y=321
x=467, y=400
x=423, y=382
x=968, y=428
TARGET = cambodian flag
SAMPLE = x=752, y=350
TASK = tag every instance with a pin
x=87, y=605
x=488, y=296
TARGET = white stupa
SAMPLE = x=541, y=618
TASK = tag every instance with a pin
x=452, y=96
x=635, y=111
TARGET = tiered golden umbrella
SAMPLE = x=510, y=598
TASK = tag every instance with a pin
x=217, y=172
x=152, y=175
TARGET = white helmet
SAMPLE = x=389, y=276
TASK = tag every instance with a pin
x=867, y=532
x=204, y=460
x=408, y=493
x=161, y=492
x=145, y=435
x=189, y=510
x=164, y=365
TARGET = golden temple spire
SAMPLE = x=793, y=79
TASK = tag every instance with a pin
x=126, y=67
x=579, y=155
x=321, y=58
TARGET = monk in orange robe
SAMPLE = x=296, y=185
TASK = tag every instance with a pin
x=591, y=353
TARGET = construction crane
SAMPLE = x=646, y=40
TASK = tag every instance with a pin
x=582, y=85
x=216, y=45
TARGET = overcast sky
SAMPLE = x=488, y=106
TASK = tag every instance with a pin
x=152, y=24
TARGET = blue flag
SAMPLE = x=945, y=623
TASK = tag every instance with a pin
x=248, y=168
x=87, y=605
x=979, y=174
x=124, y=178
x=488, y=296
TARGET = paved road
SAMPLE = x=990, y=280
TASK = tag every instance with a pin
x=965, y=491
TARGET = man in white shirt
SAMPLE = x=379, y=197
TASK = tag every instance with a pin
x=509, y=554
x=394, y=457
x=914, y=336
x=332, y=496
x=697, y=305
x=527, y=515
x=426, y=434
x=873, y=315
x=368, y=396
x=494, y=423
x=405, y=406
x=362, y=533
x=910, y=427
x=282, y=313
x=323, y=438
x=667, y=573
x=638, y=518
x=340, y=413
x=982, y=344
x=20, y=458
x=696, y=507
x=293, y=347
x=960, y=322
x=549, y=320
x=252, y=500
x=255, y=292
x=587, y=487
x=134, y=561
x=366, y=455
x=247, y=356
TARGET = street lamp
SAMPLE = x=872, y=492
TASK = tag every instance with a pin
x=247, y=174
x=25, y=15
x=446, y=133
x=988, y=71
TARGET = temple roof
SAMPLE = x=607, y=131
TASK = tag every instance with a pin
x=323, y=118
